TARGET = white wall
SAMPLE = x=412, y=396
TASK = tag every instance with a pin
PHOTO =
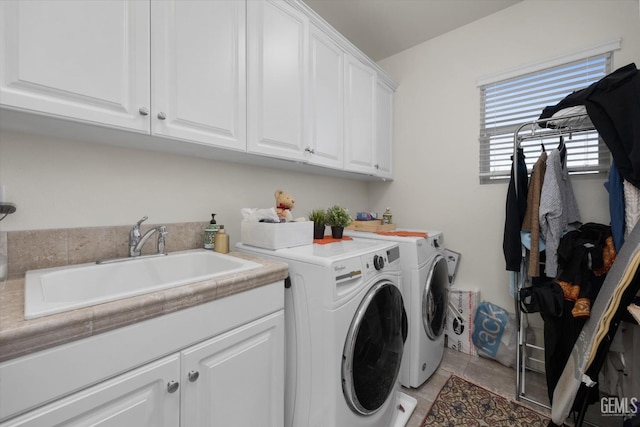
x=437, y=124
x=64, y=184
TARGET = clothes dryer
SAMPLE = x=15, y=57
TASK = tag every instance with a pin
x=425, y=291
x=345, y=332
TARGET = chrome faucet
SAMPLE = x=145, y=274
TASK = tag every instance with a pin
x=137, y=241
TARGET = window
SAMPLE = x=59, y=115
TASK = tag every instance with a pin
x=507, y=104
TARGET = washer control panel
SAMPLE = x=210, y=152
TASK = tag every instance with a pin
x=378, y=261
x=393, y=254
x=350, y=273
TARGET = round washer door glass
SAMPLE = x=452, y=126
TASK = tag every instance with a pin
x=435, y=298
x=373, y=349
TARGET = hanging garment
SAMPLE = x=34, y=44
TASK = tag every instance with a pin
x=631, y=206
x=546, y=298
x=613, y=105
x=515, y=209
x=618, y=290
x=582, y=252
x=584, y=257
x=531, y=220
x=558, y=209
x=615, y=189
x=560, y=335
x=614, y=108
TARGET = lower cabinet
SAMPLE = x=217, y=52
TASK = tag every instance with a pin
x=137, y=398
x=234, y=379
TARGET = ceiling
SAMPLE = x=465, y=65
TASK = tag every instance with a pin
x=381, y=28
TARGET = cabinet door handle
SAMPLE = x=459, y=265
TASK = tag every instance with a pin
x=193, y=376
x=144, y=111
x=162, y=115
x=377, y=166
x=310, y=150
x=173, y=386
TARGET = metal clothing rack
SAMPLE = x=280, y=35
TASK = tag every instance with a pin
x=524, y=359
x=535, y=131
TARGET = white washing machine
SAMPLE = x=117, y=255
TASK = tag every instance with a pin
x=345, y=330
x=426, y=296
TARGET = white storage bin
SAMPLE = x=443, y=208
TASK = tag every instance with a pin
x=276, y=235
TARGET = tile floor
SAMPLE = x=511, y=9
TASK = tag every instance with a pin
x=493, y=376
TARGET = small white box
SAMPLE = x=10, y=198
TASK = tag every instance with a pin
x=276, y=235
x=460, y=315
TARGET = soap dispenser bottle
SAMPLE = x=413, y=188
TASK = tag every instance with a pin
x=210, y=232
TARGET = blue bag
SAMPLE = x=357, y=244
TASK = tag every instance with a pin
x=494, y=333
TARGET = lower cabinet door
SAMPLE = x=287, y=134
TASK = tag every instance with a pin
x=236, y=379
x=145, y=397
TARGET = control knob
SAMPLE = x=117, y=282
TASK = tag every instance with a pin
x=378, y=262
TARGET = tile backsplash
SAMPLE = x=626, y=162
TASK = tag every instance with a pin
x=33, y=249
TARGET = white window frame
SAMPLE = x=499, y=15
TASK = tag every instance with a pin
x=511, y=98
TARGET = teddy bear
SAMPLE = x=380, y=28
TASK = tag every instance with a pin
x=284, y=204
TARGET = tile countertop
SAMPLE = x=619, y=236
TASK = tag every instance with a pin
x=19, y=337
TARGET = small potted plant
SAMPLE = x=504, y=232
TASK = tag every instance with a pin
x=338, y=218
x=319, y=221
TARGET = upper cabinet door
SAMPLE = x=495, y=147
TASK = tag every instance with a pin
x=326, y=101
x=276, y=61
x=384, y=131
x=85, y=60
x=198, y=71
x=360, y=117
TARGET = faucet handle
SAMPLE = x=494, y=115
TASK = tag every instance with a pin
x=134, y=233
x=143, y=219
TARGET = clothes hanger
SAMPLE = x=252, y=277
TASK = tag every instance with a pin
x=562, y=148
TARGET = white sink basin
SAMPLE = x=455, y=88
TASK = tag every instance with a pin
x=59, y=289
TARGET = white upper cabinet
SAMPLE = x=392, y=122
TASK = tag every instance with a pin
x=276, y=58
x=384, y=131
x=360, y=116
x=77, y=59
x=326, y=101
x=198, y=71
x=92, y=61
x=268, y=77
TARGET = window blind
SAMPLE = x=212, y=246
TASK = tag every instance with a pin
x=506, y=104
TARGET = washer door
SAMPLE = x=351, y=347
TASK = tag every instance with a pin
x=435, y=298
x=373, y=349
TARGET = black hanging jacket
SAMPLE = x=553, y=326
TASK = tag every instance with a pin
x=515, y=208
x=613, y=105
